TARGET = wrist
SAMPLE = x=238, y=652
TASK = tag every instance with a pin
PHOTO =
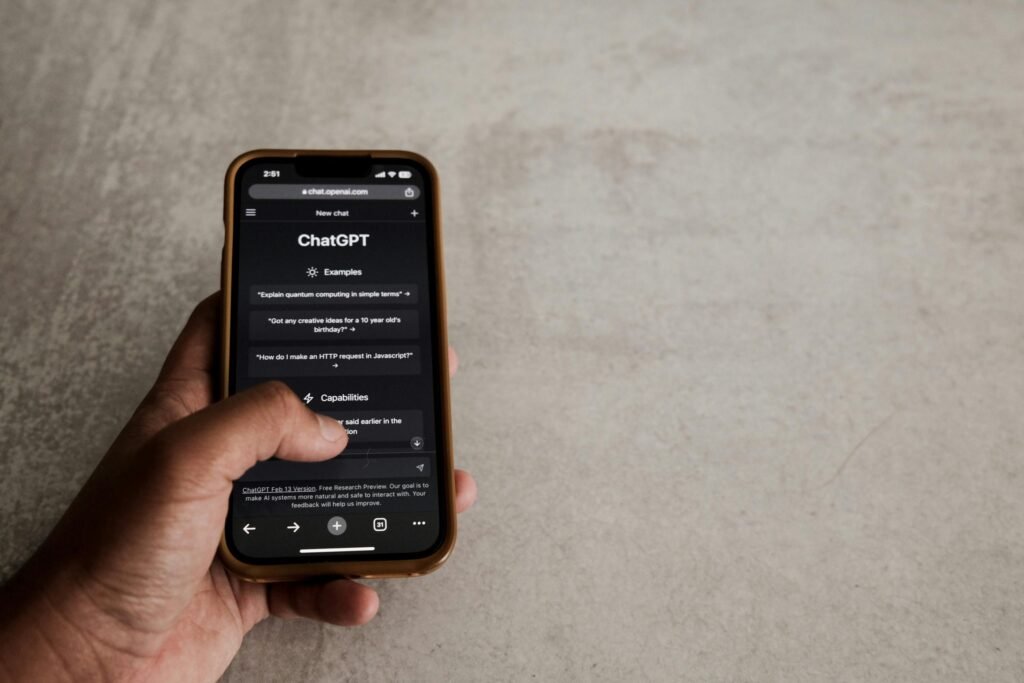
x=31, y=645
x=50, y=631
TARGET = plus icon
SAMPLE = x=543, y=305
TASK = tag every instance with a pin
x=336, y=526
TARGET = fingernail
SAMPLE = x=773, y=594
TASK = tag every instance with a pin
x=331, y=429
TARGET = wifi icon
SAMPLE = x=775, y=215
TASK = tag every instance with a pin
x=392, y=174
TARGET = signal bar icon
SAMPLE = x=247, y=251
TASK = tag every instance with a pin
x=380, y=175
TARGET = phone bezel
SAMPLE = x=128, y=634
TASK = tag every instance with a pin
x=415, y=564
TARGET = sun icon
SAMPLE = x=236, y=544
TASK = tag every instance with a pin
x=312, y=271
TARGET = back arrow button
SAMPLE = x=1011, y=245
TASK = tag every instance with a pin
x=247, y=528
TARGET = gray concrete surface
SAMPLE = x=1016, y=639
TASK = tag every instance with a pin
x=737, y=290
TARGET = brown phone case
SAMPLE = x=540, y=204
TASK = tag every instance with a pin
x=263, y=573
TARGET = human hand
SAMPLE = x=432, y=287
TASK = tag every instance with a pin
x=128, y=585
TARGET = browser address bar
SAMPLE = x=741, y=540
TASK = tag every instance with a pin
x=310, y=191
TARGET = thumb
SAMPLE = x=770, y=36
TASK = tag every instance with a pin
x=210, y=449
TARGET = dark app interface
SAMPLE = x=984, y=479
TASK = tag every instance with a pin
x=333, y=296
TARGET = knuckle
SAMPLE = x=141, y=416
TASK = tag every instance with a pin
x=179, y=396
x=279, y=402
x=170, y=400
x=279, y=393
x=166, y=402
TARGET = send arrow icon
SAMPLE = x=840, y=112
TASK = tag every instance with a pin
x=294, y=527
x=247, y=528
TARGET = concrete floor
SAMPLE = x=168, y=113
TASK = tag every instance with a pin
x=737, y=291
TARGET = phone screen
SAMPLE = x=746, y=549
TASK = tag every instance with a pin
x=335, y=291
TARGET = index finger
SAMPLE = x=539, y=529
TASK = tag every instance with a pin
x=194, y=349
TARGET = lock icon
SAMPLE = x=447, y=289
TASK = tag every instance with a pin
x=410, y=193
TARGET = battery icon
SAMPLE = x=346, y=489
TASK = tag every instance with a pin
x=405, y=174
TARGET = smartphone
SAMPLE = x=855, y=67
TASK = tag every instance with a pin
x=333, y=283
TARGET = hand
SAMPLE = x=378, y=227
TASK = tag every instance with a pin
x=128, y=584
